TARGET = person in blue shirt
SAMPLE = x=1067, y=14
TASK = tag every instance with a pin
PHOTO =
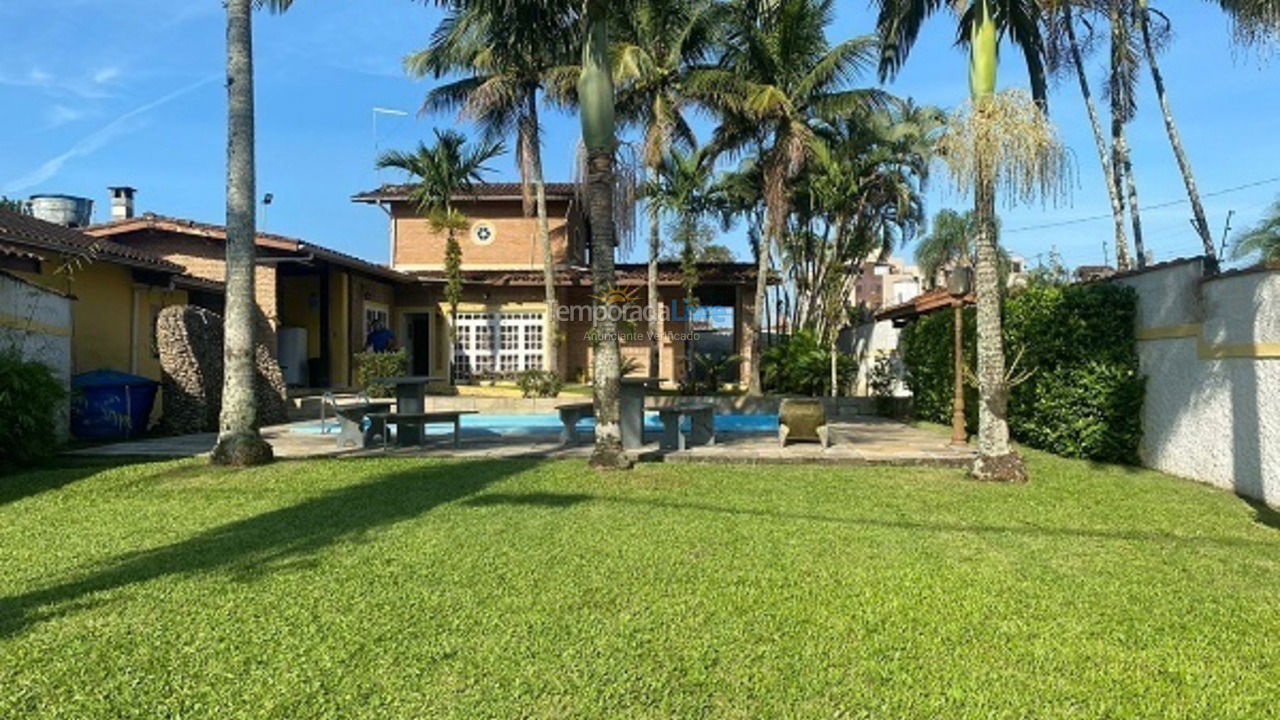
x=380, y=339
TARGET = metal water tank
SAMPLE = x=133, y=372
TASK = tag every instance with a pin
x=67, y=210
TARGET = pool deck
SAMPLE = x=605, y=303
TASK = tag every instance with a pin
x=862, y=440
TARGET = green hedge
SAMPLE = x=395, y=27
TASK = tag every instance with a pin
x=30, y=399
x=374, y=366
x=1083, y=397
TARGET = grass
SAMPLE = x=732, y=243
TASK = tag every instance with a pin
x=397, y=588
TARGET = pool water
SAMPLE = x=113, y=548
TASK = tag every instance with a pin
x=549, y=424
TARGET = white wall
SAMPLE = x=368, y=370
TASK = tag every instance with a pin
x=38, y=322
x=1210, y=350
x=867, y=343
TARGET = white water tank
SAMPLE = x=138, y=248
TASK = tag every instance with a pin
x=291, y=351
x=65, y=210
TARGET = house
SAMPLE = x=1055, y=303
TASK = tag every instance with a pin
x=502, y=322
x=883, y=284
x=116, y=290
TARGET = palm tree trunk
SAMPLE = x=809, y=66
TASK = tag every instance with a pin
x=239, y=442
x=655, y=302
x=1113, y=186
x=533, y=151
x=1175, y=140
x=1123, y=168
x=595, y=94
x=996, y=459
x=755, y=386
x=1121, y=165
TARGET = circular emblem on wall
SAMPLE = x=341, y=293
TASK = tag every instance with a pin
x=483, y=233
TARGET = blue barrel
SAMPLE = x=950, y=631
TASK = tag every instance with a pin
x=110, y=405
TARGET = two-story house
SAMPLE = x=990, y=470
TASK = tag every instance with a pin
x=502, y=321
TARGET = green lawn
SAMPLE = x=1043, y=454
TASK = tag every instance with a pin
x=397, y=588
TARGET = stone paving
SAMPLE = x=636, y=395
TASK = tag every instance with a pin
x=861, y=441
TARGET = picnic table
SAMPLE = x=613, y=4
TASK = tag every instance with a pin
x=352, y=429
x=411, y=391
x=631, y=395
x=702, y=425
x=417, y=422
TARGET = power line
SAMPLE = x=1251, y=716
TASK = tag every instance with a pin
x=1158, y=206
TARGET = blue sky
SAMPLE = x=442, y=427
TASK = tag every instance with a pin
x=130, y=92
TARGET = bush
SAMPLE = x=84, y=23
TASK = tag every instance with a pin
x=374, y=366
x=1083, y=394
x=30, y=400
x=539, y=383
x=798, y=365
x=708, y=373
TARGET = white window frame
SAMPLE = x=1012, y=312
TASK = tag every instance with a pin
x=497, y=342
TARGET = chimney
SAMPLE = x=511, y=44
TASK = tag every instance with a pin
x=121, y=202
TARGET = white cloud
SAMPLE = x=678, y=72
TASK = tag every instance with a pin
x=60, y=114
x=106, y=74
x=97, y=140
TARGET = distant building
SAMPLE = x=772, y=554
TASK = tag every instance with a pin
x=884, y=284
x=1085, y=273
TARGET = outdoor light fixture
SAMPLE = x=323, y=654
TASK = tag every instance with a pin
x=960, y=281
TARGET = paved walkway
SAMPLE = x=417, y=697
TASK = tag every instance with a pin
x=863, y=441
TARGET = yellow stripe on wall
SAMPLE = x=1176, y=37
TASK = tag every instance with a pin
x=1210, y=351
x=21, y=323
x=1169, y=332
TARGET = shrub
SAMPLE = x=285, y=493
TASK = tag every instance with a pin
x=1082, y=396
x=883, y=379
x=707, y=373
x=374, y=366
x=539, y=383
x=798, y=365
x=30, y=400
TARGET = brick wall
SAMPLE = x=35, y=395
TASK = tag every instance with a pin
x=514, y=243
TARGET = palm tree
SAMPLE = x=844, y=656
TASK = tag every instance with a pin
x=239, y=442
x=948, y=244
x=780, y=77
x=596, y=110
x=1066, y=54
x=683, y=187
x=659, y=57
x=978, y=153
x=505, y=71
x=1263, y=239
x=445, y=170
x=1142, y=15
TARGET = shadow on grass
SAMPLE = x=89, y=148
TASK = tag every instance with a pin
x=1263, y=514
x=286, y=537
x=59, y=472
x=570, y=499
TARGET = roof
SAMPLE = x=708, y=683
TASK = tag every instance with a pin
x=627, y=273
x=26, y=232
x=17, y=252
x=922, y=305
x=284, y=243
x=485, y=191
x=37, y=286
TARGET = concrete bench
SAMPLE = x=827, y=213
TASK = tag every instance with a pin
x=419, y=421
x=570, y=414
x=702, y=425
x=352, y=431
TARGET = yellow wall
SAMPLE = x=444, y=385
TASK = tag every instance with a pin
x=296, y=310
x=107, y=304
x=339, y=337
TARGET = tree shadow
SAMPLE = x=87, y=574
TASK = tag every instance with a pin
x=568, y=499
x=61, y=472
x=1263, y=514
x=268, y=542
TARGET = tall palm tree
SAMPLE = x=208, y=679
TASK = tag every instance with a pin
x=1122, y=83
x=780, y=78
x=1256, y=21
x=599, y=136
x=659, y=64
x=1066, y=55
x=239, y=442
x=445, y=171
x=1142, y=16
x=982, y=24
x=504, y=74
x=683, y=187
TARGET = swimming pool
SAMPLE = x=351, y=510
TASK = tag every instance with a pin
x=549, y=424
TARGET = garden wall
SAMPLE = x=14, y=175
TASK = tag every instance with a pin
x=37, y=322
x=1210, y=349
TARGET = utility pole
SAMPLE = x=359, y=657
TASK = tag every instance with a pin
x=382, y=111
x=1226, y=230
